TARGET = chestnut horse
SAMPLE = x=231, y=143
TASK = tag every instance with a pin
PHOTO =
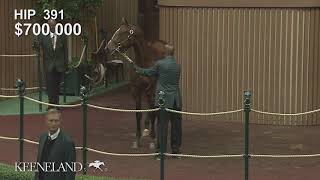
x=127, y=36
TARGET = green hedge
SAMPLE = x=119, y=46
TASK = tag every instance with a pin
x=8, y=173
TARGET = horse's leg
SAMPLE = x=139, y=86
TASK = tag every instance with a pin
x=136, y=144
x=146, y=125
x=151, y=119
x=152, y=131
x=153, y=122
x=146, y=130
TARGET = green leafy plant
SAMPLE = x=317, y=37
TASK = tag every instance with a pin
x=74, y=10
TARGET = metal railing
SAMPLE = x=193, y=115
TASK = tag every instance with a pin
x=84, y=104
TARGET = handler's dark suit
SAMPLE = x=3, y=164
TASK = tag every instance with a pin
x=55, y=63
x=60, y=150
x=168, y=72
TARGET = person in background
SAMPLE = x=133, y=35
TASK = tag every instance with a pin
x=55, y=59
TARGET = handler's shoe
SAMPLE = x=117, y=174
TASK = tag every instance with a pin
x=146, y=132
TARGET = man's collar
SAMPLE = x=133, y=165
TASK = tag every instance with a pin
x=55, y=135
x=52, y=33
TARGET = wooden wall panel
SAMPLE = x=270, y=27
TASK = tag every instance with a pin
x=223, y=51
x=240, y=3
x=15, y=67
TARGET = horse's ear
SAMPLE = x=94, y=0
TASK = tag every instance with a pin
x=124, y=21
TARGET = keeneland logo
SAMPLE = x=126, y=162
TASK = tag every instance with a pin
x=56, y=167
x=96, y=164
x=48, y=166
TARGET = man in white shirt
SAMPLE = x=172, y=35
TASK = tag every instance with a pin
x=55, y=147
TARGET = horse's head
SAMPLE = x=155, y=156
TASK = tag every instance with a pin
x=126, y=35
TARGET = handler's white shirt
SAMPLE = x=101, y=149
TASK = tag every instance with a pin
x=55, y=135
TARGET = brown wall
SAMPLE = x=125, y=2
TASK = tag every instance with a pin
x=108, y=17
x=111, y=12
x=11, y=68
x=149, y=19
x=241, y=3
x=223, y=51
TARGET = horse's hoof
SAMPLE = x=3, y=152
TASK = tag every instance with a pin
x=152, y=146
x=135, y=145
x=146, y=132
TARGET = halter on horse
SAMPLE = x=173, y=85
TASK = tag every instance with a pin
x=121, y=45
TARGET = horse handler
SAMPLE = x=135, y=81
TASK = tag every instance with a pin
x=167, y=72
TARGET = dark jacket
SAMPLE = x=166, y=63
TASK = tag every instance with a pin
x=167, y=72
x=62, y=151
x=57, y=58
